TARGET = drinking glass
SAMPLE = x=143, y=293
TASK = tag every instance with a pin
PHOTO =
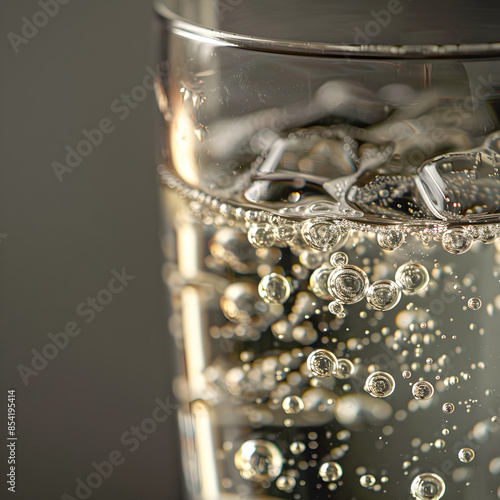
x=330, y=188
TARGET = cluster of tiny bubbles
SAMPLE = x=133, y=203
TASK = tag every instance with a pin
x=261, y=235
x=448, y=408
x=322, y=363
x=380, y=384
x=336, y=307
x=383, y=295
x=367, y=480
x=286, y=483
x=457, y=241
x=293, y=405
x=321, y=234
x=274, y=289
x=348, y=283
x=428, y=486
x=466, y=455
x=330, y=471
x=259, y=460
x=412, y=278
x=339, y=259
x=422, y=390
x=474, y=303
x=319, y=281
x=406, y=374
x=390, y=240
x=345, y=368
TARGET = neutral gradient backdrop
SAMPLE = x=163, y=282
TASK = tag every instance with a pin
x=60, y=242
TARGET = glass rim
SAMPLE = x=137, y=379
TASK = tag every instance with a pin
x=189, y=29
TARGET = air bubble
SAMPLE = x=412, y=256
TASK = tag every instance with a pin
x=274, y=288
x=319, y=281
x=380, y=384
x=474, y=303
x=367, y=480
x=348, y=284
x=428, y=486
x=412, y=278
x=292, y=405
x=336, y=307
x=261, y=235
x=339, y=259
x=286, y=483
x=422, y=390
x=321, y=235
x=383, y=295
x=406, y=374
x=456, y=241
x=390, y=240
x=322, y=363
x=345, y=368
x=466, y=455
x=297, y=447
x=259, y=460
x=330, y=471
x=448, y=408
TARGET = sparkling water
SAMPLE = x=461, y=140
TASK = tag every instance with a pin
x=339, y=333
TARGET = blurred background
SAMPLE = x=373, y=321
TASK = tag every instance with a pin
x=78, y=204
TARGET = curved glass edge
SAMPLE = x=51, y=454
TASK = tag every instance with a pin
x=184, y=27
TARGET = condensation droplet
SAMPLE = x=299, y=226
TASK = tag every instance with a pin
x=258, y=460
x=412, y=277
x=390, y=240
x=380, y=384
x=330, y=471
x=422, y=390
x=339, y=259
x=428, y=486
x=383, y=295
x=322, y=363
x=457, y=241
x=348, y=284
x=293, y=405
x=466, y=455
x=345, y=368
x=274, y=288
x=406, y=374
x=474, y=303
x=448, y=408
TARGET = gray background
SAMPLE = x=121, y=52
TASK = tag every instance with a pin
x=64, y=239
